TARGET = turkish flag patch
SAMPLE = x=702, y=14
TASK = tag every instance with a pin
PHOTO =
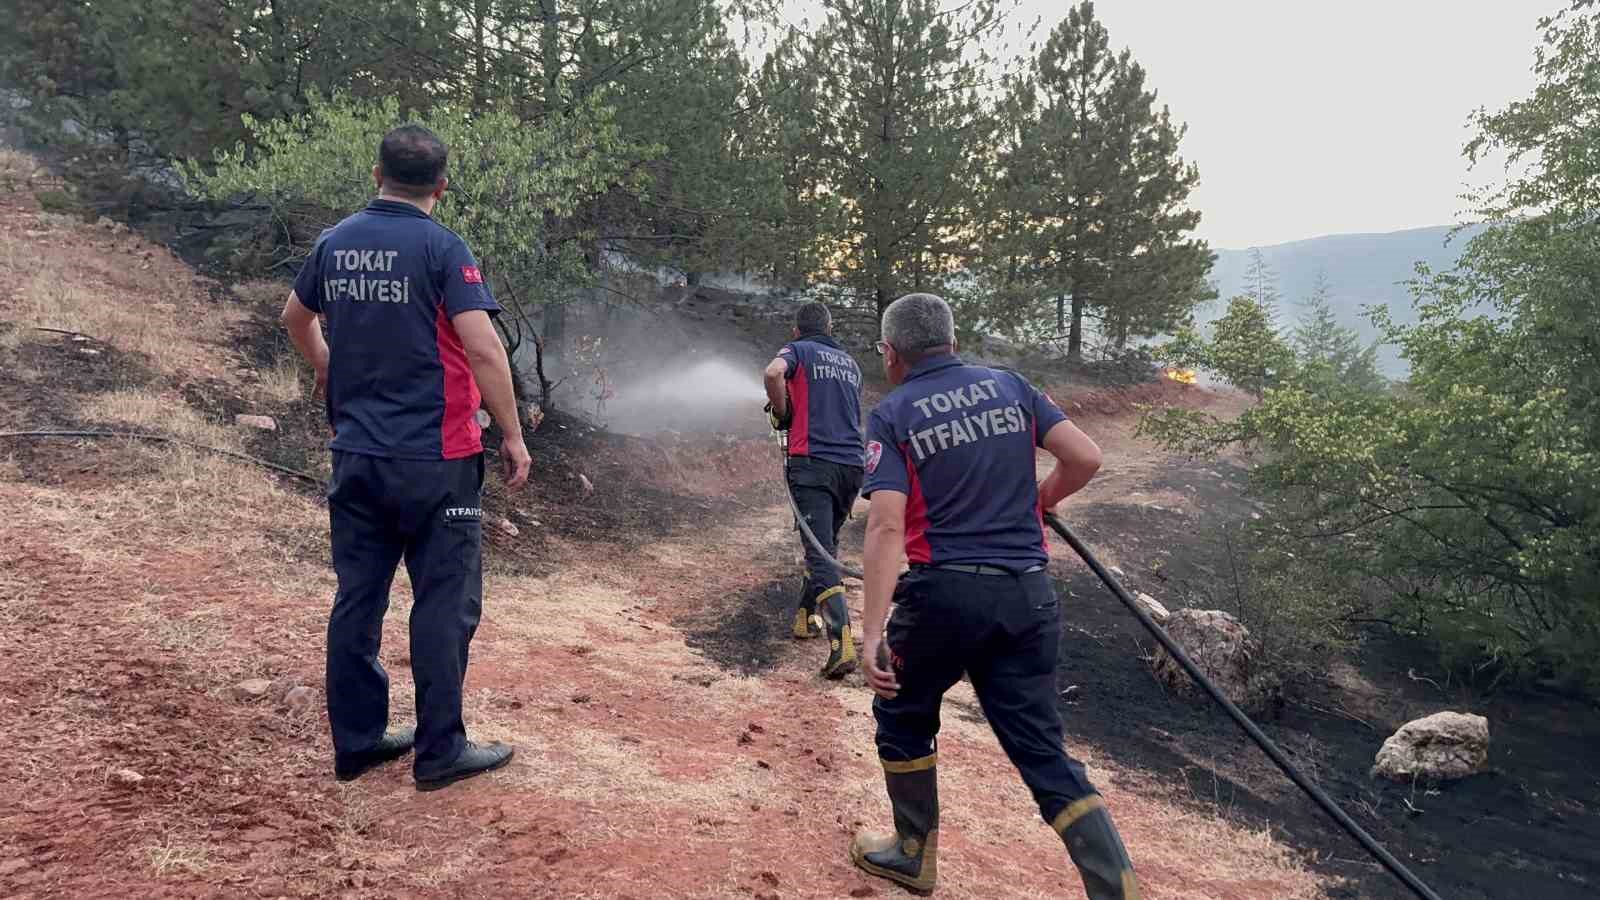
x=874, y=455
x=471, y=275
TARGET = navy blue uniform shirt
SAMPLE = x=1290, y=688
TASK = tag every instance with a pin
x=825, y=396
x=389, y=279
x=959, y=442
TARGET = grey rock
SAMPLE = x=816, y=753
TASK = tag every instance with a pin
x=1441, y=747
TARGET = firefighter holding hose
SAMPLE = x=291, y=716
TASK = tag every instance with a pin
x=950, y=471
x=814, y=393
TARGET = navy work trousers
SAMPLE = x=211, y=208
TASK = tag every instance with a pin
x=1004, y=631
x=825, y=492
x=428, y=513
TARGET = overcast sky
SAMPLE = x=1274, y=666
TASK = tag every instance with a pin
x=1314, y=117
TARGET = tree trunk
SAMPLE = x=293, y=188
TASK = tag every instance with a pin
x=550, y=54
x=1075, y=336
x=545, y=387
x=1061, y=314
x=480, y=54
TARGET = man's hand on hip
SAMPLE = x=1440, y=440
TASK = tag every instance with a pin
x=514, y=455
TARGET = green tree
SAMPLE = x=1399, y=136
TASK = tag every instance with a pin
x=179, y=74
x=509, y=176
x=1329, y=353
x=1092, y=170
x=1261, y=285
x=889, y=129
x=1246, y=350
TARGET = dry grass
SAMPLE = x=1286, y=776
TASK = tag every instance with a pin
x=162, y=413
x=18, y=170
x=281, y=382
x=52, y=300
x=171, y=857
x=262, y=292
x=58, y=221
x=130, y=295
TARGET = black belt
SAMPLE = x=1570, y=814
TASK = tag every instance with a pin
x=984, y=570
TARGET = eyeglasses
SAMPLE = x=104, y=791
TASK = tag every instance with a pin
x=882, y=347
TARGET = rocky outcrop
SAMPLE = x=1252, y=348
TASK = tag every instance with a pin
x=1441, y=747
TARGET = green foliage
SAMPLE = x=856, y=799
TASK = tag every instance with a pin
x=881, y=113
x=180, y=73
x=1245, y=349
x=1089, y=214
x=1331, y=355
x=1300, y=615
x=509, y=177
x=55, y=201
x=1473, y=491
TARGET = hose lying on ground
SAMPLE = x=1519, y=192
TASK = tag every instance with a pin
x=166, y=439
x=1243, y=721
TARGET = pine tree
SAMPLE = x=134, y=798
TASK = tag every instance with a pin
x=1331, y=355
x=1261, y=285
x=890, y=135
x=1094, y=163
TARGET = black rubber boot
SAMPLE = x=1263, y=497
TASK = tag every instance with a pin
x=474, y=760
x=806, y=624
x=841, y=643
x=908, y=855
x=392, y=746
x=1096, y=849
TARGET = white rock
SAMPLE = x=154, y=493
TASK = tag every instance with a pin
x=252, y=689
x=1153, y=607
x=505, y=525
x=1440, y=747
x=588, y=486
x=126, y=776
x=299, y=698
x=1221, y=647
x=265, y=423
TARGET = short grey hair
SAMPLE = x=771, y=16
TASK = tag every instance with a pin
x=918, y=322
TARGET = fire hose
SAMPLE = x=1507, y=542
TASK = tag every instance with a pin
x=799, y=517
x=1250, y=728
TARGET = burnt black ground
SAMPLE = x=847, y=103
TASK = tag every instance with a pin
x=1529, y=827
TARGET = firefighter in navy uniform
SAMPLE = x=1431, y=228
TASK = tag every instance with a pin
x=950, y=473
x=410, y=355
x=814, y=389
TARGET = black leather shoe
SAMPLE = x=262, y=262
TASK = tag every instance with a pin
x=395, y=744
x=474, y=760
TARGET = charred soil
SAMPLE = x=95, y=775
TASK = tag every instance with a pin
x=1530, y=826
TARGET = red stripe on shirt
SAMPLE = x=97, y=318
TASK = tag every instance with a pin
x=459, y=434
x=1038, y=502
x=800, y=407
x=918, y=550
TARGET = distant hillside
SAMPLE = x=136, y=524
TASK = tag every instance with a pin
x=1364, y=269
